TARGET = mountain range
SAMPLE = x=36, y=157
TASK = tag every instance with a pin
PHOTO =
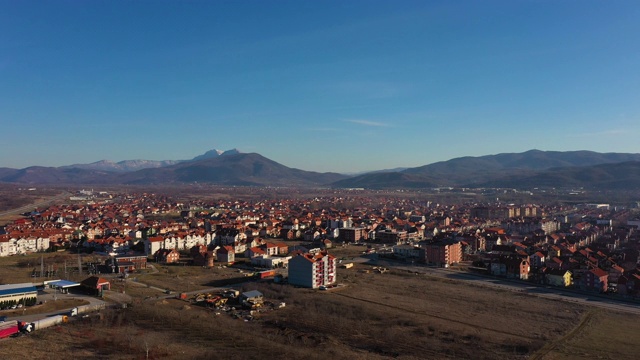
x=529, y=169
x=134, y=165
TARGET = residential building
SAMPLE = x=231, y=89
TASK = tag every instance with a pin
x=352, y=235
x=226, y=255
x=312, y=270
x=560, y=278
x=443, y=253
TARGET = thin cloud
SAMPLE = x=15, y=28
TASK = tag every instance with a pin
x=604, y=133
x=323, y=129
x=368, y=123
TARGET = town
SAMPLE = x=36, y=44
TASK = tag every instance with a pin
x=314, y=242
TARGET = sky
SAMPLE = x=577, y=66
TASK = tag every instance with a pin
x=342, y=86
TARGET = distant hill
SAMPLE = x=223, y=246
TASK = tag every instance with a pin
x=240, y=169
x=211, y=154
x=135, y=165
x=494, y=169
x=618, y=176
x=533, y=168
x=386, y=180
x=234, y=169
x=483, y=168
x=4, y=172
x=122, y=166
x=52, y=175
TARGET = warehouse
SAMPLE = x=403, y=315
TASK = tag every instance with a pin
x=13, y=294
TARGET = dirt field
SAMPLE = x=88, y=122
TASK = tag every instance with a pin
x=16, y=199
x=376, y=316
x=601, y=335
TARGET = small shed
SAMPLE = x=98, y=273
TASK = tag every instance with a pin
x=252, y=297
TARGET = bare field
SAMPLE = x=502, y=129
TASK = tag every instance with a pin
x=16, y=199
x=376, y=316
x=603, y=335
x=186, y=278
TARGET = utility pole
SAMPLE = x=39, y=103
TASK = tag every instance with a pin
x=41, y=266
x=79, y=265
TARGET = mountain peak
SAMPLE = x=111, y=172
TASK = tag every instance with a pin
x=214, y=153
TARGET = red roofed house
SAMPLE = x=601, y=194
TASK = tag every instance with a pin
x=595, y=279
x=226, y=254
x=167, y=256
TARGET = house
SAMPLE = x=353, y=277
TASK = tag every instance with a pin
x=312, y=270
x=559, y=278
x=406, y=251
x=595, y=279
x=226, y=255
x=517, y=267
x=202, y=256
x=167, y=256
x=629, y=285
x=537, y=259
x=129, y=263
x=253, y=252
x=267, y=261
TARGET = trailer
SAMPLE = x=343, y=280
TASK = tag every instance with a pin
x=83, y=309
x=266, y=274
x=49, y=321
x=8, y=328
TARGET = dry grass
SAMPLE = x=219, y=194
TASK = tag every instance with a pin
x=607, y=335
x=376, y=316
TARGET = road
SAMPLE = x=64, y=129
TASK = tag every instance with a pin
x=30, y=207
x=50, y=297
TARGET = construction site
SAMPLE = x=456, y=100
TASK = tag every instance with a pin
x=245, y=305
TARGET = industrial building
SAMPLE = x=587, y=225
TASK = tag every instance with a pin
x=25, y=293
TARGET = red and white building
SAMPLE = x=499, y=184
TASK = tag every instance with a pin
x=312, y=270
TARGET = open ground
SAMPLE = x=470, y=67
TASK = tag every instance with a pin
x=393, y=315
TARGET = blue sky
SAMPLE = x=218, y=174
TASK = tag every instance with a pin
x=340, y=86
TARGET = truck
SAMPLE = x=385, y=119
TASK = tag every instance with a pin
x=8, y=328
x=83, y=309
x=266, y=274
x=49, y=321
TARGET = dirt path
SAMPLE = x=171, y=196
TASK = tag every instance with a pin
x=540, y=354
